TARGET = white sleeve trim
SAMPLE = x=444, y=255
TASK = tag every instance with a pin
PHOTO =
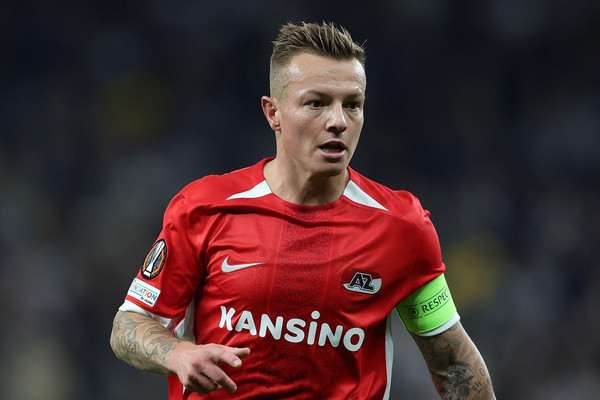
x=185, y=329
x=130, y=306
x=443, y=328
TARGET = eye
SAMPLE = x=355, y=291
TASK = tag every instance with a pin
x=315, y=103
x=353, y=105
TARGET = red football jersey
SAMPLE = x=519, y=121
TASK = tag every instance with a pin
x=309, y=289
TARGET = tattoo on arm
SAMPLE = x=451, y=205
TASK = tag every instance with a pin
x=457, y=369
x=142, y=342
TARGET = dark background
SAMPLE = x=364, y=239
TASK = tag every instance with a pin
x=488, y=111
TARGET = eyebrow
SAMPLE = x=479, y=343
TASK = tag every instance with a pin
x=353, y=95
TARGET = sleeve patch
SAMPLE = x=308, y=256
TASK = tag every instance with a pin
x=155, y=260
x=144, y=292
x=427, y=308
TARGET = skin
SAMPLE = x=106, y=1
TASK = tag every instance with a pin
x=317, y=118
x=144, y=343
x=455, y=365
x=321, y=104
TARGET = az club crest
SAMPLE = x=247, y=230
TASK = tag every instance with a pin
x=361, y=281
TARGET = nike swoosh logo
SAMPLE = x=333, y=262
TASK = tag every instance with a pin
x=226, y=267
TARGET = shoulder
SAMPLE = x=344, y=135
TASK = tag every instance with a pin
x=397, y=203
x=213, y=189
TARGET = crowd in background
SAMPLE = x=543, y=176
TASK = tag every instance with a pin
x=488, y=111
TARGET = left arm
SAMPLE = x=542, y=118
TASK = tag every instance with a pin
x=457, y=369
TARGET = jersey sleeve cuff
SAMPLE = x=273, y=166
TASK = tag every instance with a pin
x=132, y=307
x=442, y=328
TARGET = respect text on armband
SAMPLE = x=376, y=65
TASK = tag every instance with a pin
x=294, y=330
x=430, y=305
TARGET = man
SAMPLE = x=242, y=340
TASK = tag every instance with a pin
x=278, y=281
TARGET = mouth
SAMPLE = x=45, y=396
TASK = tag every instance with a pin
x=333, y=149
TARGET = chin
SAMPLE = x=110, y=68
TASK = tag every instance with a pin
x=332, y=170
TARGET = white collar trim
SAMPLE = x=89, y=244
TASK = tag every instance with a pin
x=260, y=190
x=357, y=195
x=352, y=192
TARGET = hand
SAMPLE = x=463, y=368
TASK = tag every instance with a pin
x=197, y=366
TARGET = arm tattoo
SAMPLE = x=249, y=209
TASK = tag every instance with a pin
x=142, y=342
x=457, y=369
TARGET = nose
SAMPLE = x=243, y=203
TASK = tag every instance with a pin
x=336, y=122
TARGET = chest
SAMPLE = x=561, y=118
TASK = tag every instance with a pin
x=297, y=263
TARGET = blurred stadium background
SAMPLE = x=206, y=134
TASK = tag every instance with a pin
x=487, y=110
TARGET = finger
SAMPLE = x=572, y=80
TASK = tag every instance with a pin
x=220, y=378
x=241, y=352
x=202, y=384
x=232, y=355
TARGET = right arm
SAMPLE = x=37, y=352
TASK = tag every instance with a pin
x=145, y=344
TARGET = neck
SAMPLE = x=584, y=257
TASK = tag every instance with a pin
x=308, y=189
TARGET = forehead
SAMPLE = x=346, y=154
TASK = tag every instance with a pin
x=307, y=72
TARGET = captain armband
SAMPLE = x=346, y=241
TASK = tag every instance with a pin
x=429, y=310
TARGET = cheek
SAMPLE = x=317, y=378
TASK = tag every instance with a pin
x=356, y=132
x=295, y=142
x=297, y=129
x=291, y=121
x=292, y=137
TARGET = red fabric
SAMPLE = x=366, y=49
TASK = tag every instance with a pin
x=306, y=255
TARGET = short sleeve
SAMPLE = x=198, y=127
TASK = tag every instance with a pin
x=429, y=308
x=172, y=270
x=428, y=260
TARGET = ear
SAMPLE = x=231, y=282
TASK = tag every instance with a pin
x=269, y=107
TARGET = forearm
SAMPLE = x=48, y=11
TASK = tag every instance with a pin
x=456, y=367
x=142, y=342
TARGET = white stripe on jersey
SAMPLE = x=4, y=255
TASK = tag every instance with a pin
x=352, y=192
x=185, y=329
x=357, y=195
x=260, y=190
x=389, y=355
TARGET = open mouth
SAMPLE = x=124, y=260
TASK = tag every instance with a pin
x=333, y=147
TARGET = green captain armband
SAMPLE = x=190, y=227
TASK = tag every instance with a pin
x=428, y=308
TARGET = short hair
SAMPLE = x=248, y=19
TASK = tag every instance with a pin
x=323, y=40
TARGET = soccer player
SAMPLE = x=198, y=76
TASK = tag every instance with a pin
x=278, y=281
